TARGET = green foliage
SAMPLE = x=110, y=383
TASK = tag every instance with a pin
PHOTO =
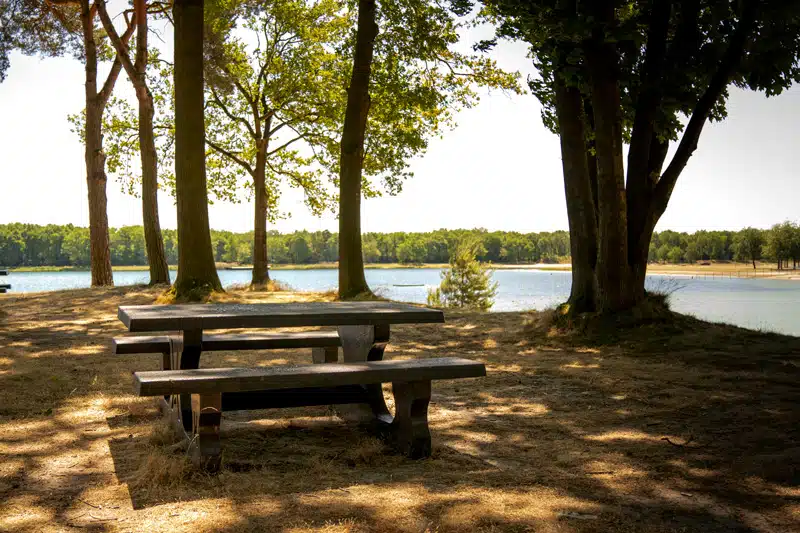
x=783, y=243
x=32, y=245
x=419, y=81
x=284, y=68
x=748, y=245
x=467, y=283
x=699, y=34
x=37, y=27
x=272, y=76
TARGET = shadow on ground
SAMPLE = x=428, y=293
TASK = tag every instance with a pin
x=684, y=426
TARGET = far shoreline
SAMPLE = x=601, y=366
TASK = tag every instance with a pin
x=723, y=270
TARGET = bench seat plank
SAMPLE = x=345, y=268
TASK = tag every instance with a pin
x=238, y=341
x=221, y=380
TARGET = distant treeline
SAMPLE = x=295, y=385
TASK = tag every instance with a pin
x=52, y=245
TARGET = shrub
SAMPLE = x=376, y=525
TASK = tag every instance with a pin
x=467, y=283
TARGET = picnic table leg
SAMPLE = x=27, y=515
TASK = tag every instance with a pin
x=365, y=343
x=204, y=446
x=185, y=356
x=410, y=425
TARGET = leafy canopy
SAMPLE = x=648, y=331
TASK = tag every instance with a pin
x=698, y=34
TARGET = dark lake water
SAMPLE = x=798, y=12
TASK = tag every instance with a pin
x=767, y=304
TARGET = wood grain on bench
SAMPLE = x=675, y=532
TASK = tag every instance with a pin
x=270, y=315
x=280, y=386
x=218, y=380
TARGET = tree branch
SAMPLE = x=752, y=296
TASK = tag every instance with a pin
x=702, y=110
x=649, y=99
x=286, y=144
x=108, y=86
x=230, y=155
x=120, y=46
x=230, y=115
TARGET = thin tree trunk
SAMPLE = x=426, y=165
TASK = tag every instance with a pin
x=197, y=274
x=154, y=242
x=95, y=159
x=260, y=258
x=351, y=262
x=579, y=194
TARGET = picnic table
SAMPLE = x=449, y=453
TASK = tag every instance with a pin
x=194, y=398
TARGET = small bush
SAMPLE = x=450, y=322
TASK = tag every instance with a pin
x=467, y=283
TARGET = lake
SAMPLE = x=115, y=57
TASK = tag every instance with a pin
x=767, y=304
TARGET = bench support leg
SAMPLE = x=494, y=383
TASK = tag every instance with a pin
x=328, y=354
x=364, y=343
x=185, y=356
x=410, y=426
x=204, y=447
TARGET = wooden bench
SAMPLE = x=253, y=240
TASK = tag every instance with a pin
x=214, y=390
x=324, y=344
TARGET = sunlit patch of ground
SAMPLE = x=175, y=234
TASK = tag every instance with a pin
x=689, y=428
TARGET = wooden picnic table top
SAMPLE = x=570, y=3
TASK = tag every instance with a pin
x=271, y=315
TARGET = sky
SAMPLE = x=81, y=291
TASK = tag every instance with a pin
x=499, y=169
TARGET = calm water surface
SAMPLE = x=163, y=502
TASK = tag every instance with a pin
x=767, y=304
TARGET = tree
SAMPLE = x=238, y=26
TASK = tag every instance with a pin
x=467, y=283
x=90, y=127
x=352, y=281
x=37, y=27
x=675, y=255
x=197, y=273
x=136, y=70
x=267, y=99
x=780, y=243
x=612, y=72
x=404, y=85
x=748, y=244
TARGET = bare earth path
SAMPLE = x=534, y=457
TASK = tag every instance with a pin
x=687, y=427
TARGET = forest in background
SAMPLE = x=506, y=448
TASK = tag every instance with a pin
x=30, y=245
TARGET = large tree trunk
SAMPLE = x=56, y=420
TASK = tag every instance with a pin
x=95, y=159
x=351, y=262
x=580, y=197
x=154, y=242
x=197, y=274
x=260, y=259
x=615, y=288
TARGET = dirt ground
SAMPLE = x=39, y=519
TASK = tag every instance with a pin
x=682, y=427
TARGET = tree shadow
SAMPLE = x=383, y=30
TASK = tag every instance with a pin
x=690, y=428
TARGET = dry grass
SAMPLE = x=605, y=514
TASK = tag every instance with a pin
x=567, y=433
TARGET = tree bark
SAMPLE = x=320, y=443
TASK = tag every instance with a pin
x=352, y=281
x=197, y=273
x=260, y=257
x=154, y=242
x=95, y=159
x=615, y=290
x=579, y=195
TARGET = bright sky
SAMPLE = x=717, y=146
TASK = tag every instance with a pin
x=500, y=168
